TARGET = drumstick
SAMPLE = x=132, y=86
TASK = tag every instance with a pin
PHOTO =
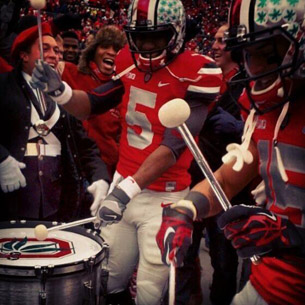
x=174, y=114
x=41, y=231
x=38, y=5
x=172, y=283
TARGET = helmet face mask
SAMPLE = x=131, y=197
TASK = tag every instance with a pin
x=165, y=34
x=270, y=37
x=277, y=48
x=159, y=23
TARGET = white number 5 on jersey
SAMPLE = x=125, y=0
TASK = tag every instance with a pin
x=137, y=118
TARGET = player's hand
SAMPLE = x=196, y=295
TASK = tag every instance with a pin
x=47, y=79
x=175, y=234
x=99, y=190
x=11, y=177
x=112, y=208
x=257, y=231
x=225, y=123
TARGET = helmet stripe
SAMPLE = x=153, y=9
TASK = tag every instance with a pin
x=153, y=11
x=234, y=13
x=244, y=18
x=134, y=11
x=142, y=12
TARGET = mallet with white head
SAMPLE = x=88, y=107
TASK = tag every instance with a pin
x=41, y=231
x=174, y=114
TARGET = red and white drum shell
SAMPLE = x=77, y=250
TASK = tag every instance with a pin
x=66, y=268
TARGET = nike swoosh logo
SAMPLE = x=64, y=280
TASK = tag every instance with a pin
x=160, y=84
x=111, y=216
x=169, y=231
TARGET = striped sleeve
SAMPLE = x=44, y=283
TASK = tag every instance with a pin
x=207, y=84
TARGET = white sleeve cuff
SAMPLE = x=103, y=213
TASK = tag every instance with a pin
x=130, y=187
x=65, y=97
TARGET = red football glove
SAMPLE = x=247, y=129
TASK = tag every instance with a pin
x=257, y=231
x=175, y=235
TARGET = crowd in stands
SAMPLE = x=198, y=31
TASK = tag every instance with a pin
x=205, y=16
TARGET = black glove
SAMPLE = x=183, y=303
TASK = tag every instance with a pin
x=257, y=231
x=225, y=123
x=45, y=78
x=113, y=206
x=175, y=235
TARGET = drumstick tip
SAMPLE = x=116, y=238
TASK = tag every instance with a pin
x=41, y=232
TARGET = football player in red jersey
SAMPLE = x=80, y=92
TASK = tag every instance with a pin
x=270, y=35
x=153, y=160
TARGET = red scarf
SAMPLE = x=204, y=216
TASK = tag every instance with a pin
x=97, y=74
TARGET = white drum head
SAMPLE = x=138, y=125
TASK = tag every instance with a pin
x=20, y=248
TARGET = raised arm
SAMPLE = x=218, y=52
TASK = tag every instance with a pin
x=79, y=103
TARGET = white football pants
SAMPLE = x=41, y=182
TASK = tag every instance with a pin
x=133, y=240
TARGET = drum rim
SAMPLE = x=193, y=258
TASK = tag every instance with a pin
x=78, y=265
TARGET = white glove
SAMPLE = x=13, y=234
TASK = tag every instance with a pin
x=11, y=177
x=99, y=190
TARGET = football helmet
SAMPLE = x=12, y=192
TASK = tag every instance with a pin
x=272, y=34
x=155, y=20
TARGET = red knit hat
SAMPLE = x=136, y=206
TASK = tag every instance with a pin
x=27, y=38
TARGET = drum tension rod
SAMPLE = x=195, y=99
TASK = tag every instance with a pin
x=42, y=274
x=89, y=265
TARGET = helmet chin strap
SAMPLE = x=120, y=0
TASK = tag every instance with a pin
x=152, y=62
x=270, y=98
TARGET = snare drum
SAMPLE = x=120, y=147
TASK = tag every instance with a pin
x=66, y=268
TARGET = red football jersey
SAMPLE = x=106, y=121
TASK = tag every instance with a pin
x=282, y=281
x=142, y=131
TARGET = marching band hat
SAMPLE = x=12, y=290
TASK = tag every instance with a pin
x=27, y=37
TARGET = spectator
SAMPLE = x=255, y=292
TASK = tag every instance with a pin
x=96, y=66
x=71, y=46
x=44, y=152
x=60, y=44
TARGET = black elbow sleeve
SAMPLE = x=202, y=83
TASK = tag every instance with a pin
x=106, y=96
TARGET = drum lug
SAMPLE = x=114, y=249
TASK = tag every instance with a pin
x=89, y=266
x=42, y=274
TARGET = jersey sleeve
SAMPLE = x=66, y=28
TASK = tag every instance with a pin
x=207, y=86
x=172, y=138
x=203, y=80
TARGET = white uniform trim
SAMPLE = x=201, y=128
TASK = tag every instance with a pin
x=35, y=149
x=53, y=148
x=203, y=89
x=210, y=71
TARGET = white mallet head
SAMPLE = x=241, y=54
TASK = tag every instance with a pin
x=41, y=232
x=38, y=4
x=174, y=113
